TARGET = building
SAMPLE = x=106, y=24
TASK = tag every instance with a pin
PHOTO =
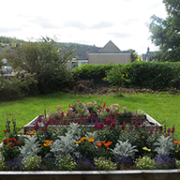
x=110, y=53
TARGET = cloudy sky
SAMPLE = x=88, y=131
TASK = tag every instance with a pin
x=92, y=22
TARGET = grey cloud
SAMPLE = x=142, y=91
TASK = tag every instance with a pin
x=75, y=24
x=5, y=30
x=130, y=21
x=120, y=35
x=43, y=22
x=102, y=25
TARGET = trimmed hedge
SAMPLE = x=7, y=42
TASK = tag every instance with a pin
x=95, y=72
x=156, y=76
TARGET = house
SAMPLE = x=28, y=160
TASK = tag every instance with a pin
x=110, y=53
x=147, y=56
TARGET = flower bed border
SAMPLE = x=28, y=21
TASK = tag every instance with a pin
x=153, y=124
x=96, y=175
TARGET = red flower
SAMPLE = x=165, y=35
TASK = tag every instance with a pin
x=11, y=139
x=46, y=123
x=5, y=141
x=107, y=109
x=81, y=117
x=67, y=114
x=91, y=116
x=151, y=131
x=123, y=127
x=143, y=126
x=169, y=130
x=104, y=105
x=87, y=119
x=17, y=142
x=11, y=144
x=78, y=100
x=43, y=129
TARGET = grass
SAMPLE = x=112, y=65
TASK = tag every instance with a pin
x=162, y=107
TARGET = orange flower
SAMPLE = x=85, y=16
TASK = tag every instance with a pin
x=175, y=142
x=48, y=141
x=179, y=143
x=176, y=151
x=103, y=142
x=107, y=144
x=143, y=137
x=99, y=144
x=84, y=138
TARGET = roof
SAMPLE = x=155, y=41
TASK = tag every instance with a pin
x=110, y=47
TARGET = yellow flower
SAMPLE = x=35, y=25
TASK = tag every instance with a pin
x=143, y=137
x=175, y=142
x=91, y=139
x=146, y=149
x=48, y=141
x=46, y=144
x=78, y=142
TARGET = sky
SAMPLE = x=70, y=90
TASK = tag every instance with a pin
x=94, y=22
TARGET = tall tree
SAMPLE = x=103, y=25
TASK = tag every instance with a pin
x=166, y=32
x=134, y=55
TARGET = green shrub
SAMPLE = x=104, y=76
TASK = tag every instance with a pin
x=145, y=163
x=65, y=163
x=31, y=163
x=103, y=163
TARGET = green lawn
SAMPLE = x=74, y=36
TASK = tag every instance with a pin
x=159, y=106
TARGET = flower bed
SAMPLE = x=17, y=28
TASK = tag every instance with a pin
x=104, y=144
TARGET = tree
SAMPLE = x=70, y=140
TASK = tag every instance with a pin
x=46, y=58
x=166, y=32
x=134, y=55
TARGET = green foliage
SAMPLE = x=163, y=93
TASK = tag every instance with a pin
x=65, y=163
x=31, y=163
x=134, y=55
x=165, y=33
x=145, y=163
x=178, y=164
x=64, y=146
x=103, y=163
x=91, y=71
x=2, y=161
x=124, y=149
x=164, y=145
x=30, y=148
x=46, y=59
x=159, y=76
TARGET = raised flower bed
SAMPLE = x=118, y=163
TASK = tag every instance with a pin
x=135, y=149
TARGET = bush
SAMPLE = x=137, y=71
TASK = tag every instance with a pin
x=92, y=71
x=156, y=76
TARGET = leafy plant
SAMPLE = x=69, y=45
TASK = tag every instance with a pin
x=30, y=148
x=124, y=149
x=165, y=145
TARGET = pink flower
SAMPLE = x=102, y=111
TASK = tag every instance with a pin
x=95, y=102
x=91, y=116
x=62, y=114
x=124, y=107
x=169, y=130
x=113, y=124
x=173, y=130
x=151, y=131
x=36, y=127
x=40, y=119
x=5, y=131
x=107, y=109
x=99, y=110
x=59, y=106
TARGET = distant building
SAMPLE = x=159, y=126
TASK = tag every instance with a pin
x=110, y=53
x=147, y=56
